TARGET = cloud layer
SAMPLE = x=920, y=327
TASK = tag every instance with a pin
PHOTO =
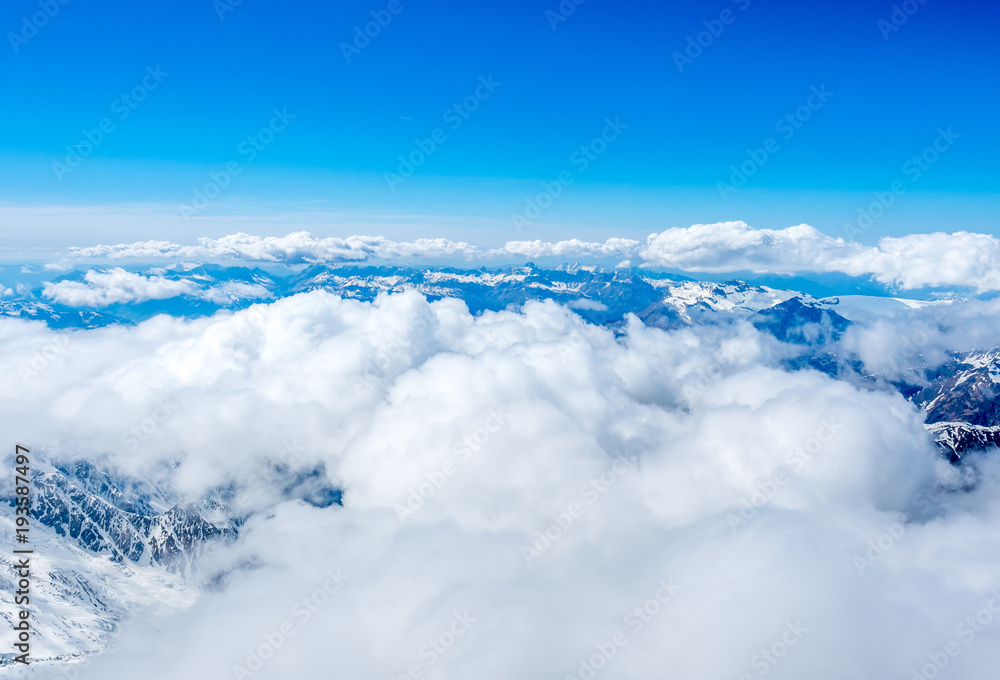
x=527, y=495
x=913, y=261
x=295, y=248
x=100, y=289
x=960, y=259
x=116, y=286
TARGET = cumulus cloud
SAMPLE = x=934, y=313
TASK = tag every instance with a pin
x=938, y=259
x=907, y=262
x=736, y=246
x=103, y=288
x=565, y=497
x=116, y=286
x=140, y=249
x=573, y=248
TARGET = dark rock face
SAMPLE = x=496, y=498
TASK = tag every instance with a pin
x=956, y=439
x=967, y=391
x=963, y=403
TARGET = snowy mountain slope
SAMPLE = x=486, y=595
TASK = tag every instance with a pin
x=106, y=513
x=734, y=297
x=55, y=316
x=865, y=308
x=80, y=598
x=102, y=553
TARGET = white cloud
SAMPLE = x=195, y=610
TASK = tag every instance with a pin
x=103, y=288
x=913, y=261
x=938, y=259
x=100, y=289
x=960, y=259
x=230, y=291
x=736, y=246
x=426, y=247
x=586, y=303
x=294, y=248
x=902, y=345
x=572, y=249
x=142, y=249
x=395, y=398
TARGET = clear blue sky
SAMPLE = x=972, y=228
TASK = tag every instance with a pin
x=891, y=92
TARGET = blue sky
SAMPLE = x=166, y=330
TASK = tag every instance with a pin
x=889, y=94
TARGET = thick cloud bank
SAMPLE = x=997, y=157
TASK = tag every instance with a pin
x=913, y=261
x=527, y=496
x=961, y=259
x=100, y=289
